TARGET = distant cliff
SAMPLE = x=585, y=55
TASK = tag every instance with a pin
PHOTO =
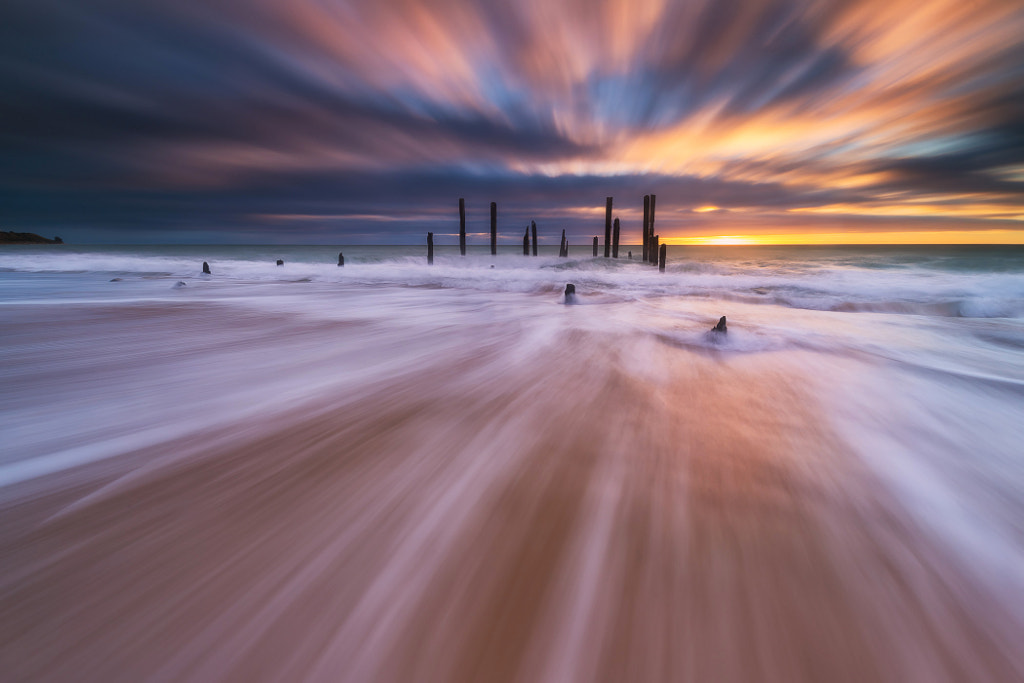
x=26, y=238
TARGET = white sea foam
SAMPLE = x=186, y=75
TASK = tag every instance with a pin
x=854, y=283
x=437, y=469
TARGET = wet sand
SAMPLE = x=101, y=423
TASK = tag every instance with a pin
x=590, y=505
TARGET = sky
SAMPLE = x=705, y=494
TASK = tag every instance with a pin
x=363, y=122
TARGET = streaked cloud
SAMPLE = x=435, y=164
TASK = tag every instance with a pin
x=328, y=120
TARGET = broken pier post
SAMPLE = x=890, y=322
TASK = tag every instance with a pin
x=615, y=239
x=494, y=228
x=533, y=230
x=462, y=226
x=661, y=258
x=430, y=248
x=526, y=241
x=607, y=226
x=647, y=228
x=650, y=224
x=206, y=268
x=341, y=259
x=595, y=246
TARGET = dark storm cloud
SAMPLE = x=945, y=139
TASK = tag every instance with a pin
x=127, y=120
x=340, y=207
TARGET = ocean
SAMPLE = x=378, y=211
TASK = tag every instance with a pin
x=394, y=471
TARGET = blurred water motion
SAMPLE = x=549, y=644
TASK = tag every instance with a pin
x=364, y=481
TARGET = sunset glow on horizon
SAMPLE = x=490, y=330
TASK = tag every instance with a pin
x=831, y=119
x=858, y=238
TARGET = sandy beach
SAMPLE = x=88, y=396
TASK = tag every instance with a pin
x=551, y=496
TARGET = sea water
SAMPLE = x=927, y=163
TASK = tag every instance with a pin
x=861, y=422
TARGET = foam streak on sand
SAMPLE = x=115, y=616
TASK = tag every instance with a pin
x=324, y=481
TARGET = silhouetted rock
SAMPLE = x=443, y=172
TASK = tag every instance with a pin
x=280, y=262
x=341, y=259
x=7, y=237
x=179, y=284
x=206, y=268
x=720, y=327
x=116, y=279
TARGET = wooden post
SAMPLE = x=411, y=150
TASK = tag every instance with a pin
x=494, y=228
x=607, y=226
x=595, y=246
x=533, y=229
x=526, y=241
x=647, y=229
x=430, y=248
x=206, y=268
x=654, y=256
x=341, y=259
x=654, y=249
x=661, y=258
x=562, y=251
x=651, y=224
x=462, y=226
x=615, y=239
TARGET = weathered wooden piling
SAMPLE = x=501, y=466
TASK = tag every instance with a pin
x=650, y=225
x=630, y=255
x=615, y=239
x=280, y=262
x=661, y=258
x=533, y=229
x=595, y=246
x=341, y=259
x=563, y=250
x=462, y=226
x=494, y=228
x=570, y=293
x=607, y=226
x=430, y=248
x=647, y=228
x=526, y=241
x=206, y=268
